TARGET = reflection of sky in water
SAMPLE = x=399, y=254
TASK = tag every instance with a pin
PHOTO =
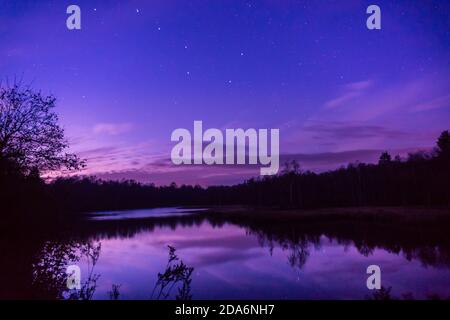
x=229, y=263
x=141, y=213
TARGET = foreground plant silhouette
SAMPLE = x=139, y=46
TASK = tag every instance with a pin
x=49, y=272
x=92, y=253
x=176, y=273
x=114, y=294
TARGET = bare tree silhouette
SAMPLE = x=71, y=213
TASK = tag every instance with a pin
x=30, y=135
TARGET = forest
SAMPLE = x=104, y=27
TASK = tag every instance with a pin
x=32, y=142
x=421, y=179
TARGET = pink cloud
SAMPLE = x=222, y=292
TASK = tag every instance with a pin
x=112, y=128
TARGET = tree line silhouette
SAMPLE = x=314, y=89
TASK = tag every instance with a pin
x=420, y=179
x=31, y=142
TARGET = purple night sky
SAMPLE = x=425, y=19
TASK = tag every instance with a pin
x=137, y=70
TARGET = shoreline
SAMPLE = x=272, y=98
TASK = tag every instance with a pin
x=351, y=213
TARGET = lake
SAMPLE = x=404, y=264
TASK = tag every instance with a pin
x=221, y=259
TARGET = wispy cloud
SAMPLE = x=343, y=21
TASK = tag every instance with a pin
x=439, y=102
x=349, y=92
x=112, y=128
x=351, y=130
x=162, y=172
x=365, y=101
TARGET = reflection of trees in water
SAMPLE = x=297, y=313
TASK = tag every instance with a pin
x=91, y=252
x=49, y=272
x=386, y=294
x=364, y=248
x=50, y=277
x=423, y=239
x=298, y=255
x=114, y=294
x=296, y=245
x=426, y=242
x=430, y=256
x=429, y=245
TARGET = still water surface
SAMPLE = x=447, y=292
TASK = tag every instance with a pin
x=141, y=213
x=233, y=261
